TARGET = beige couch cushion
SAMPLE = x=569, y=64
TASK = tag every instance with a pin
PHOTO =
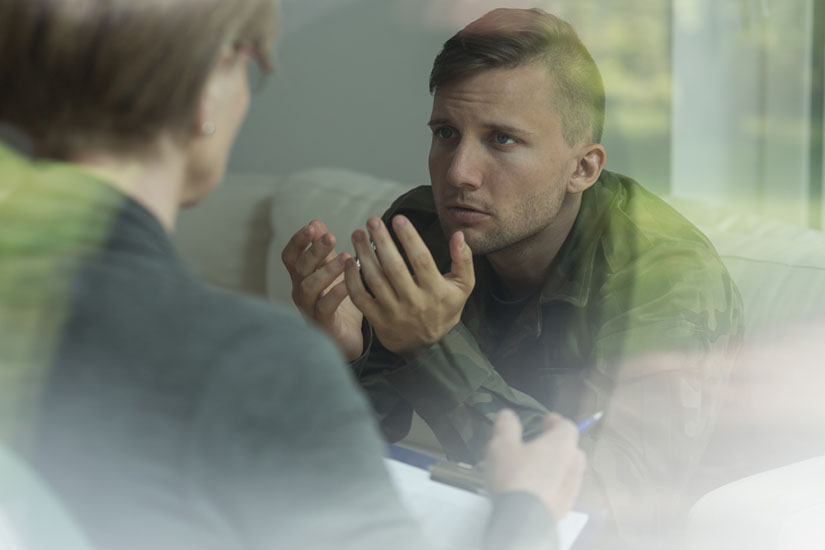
x=225, y=238
x=778, y=267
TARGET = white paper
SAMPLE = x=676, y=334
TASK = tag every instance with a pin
x=454, y=518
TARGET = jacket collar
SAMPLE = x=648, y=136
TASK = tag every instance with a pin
x=570, y=276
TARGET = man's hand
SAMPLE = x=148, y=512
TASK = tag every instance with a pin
x=318, y=287
x=550, y=467
x=408, y=311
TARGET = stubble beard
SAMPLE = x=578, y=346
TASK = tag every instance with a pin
x=517, y=229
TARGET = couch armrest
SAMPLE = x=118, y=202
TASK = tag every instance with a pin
x=225, y=238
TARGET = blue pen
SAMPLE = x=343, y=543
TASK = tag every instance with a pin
x=589, y=421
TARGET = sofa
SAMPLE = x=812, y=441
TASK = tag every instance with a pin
x=234, y=240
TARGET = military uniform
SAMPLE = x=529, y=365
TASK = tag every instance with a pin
x=637, y=316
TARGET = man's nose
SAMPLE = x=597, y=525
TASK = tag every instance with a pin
x=465, y=167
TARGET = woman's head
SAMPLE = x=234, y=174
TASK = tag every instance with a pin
x=114, y=76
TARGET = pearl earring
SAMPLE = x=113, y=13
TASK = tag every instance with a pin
x=208, y=128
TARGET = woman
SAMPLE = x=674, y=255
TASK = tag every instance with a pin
x=166, y=414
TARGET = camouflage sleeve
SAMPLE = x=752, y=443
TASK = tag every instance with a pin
x=393, y=413
x=452, y=386
x=667, y=344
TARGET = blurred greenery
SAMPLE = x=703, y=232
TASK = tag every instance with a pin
x=631, y=42
x=52, y=216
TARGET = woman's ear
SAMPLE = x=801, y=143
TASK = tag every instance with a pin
x=591, y=159
x=205, y=114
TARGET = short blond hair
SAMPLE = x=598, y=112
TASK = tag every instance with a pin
x=116, y=74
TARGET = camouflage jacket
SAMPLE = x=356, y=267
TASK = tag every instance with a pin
x=637, y=317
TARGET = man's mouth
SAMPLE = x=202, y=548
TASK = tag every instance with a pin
x=460, y=205
x=465, y=213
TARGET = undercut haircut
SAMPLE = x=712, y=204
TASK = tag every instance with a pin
x=544, y=40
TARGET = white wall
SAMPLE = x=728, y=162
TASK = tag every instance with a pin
x=350, y=90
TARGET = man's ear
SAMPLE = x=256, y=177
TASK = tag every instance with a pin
x=591, y=159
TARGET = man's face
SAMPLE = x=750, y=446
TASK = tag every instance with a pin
x=499, y=165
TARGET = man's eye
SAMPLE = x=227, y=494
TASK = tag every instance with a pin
x=445, y=132
x=503, y=139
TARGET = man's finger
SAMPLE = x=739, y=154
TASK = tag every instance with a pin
x=461, y=270
x=296, y=245
x=419, y=256
x=319, y=227
x=371, y=269
x=326, y=306
x=308, y=291
x=320, y=252
x=357, y=293
x=391, y=260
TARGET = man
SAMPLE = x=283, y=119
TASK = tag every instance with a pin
x=559, y=274
x=161, y=412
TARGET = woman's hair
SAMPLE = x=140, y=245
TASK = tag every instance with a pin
x=114, y=75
